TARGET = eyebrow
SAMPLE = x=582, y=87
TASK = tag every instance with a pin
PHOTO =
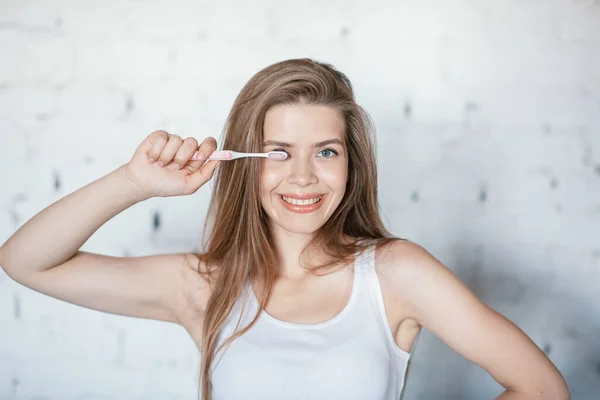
x=288, y=145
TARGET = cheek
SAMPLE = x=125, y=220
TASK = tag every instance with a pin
x=334, y=175
x=270, y=177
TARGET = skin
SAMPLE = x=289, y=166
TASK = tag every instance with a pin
x=421, y=291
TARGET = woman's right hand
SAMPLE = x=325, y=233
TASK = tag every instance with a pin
x=162, y=165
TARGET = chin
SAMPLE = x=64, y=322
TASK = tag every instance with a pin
x=307, y=229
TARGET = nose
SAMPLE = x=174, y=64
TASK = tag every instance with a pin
x=301, y=171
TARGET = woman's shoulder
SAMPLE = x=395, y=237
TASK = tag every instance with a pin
x=404, y=262
x=199, y=288
x=416, y=278
x=194, y=262
x=401, y=249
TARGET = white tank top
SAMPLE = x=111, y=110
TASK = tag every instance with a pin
x=352, y=356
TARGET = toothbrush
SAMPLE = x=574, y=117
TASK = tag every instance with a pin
x=226, y=155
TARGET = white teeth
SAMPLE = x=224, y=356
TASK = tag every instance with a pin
x=301, y=202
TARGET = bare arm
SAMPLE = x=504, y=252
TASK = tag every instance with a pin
x=44, y=253
x=56, y=233
x=444, y=305
x=154, y=287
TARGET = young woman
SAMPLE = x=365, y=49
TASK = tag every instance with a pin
x=288, y=300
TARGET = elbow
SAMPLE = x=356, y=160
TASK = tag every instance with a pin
x=562, y=390
x=4, y=263
x=3, y=259
x=563, y=394
x=554, y=390
x=558, y=391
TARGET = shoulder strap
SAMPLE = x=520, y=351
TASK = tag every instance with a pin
x=366, y=259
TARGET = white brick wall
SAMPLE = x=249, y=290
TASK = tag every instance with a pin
x=488, y=127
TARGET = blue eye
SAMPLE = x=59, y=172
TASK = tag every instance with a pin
x=331, y=150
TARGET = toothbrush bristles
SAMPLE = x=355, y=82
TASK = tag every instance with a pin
x=277, y=155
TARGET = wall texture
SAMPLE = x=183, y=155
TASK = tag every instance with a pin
x=488, y=133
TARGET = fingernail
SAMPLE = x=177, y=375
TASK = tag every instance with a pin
x=161, y=164
x=150, y=160
x=199, y=156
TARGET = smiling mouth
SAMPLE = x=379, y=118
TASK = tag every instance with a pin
x=303, y=203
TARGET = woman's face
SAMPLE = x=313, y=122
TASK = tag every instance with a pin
x=313, y=168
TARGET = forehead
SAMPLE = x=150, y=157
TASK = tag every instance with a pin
x=300, y=122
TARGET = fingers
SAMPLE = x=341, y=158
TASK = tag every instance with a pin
x=202, y=175
x=184, y=152
x=169, y=150
x=205, y=172
x=207, y=147
x=158, y=140
x=174, y=152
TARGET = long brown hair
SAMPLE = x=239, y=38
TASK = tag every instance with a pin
x=239, y=246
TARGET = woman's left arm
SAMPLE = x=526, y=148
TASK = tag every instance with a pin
x=443, y=304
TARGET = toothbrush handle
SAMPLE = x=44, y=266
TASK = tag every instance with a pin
x=255, y=154
x=223, y=155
